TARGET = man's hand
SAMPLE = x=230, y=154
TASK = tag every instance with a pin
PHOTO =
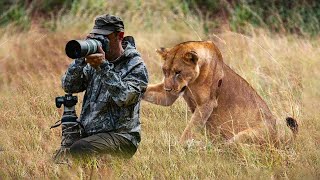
x=95, y=60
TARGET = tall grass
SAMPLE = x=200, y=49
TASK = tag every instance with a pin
x=282, y=68
x=299, y=17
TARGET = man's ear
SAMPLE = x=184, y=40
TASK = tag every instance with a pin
x=163, y=52
x=191, y=57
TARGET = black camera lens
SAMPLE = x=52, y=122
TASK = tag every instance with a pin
x=81, y=48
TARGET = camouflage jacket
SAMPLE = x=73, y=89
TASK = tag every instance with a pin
x=113, y=94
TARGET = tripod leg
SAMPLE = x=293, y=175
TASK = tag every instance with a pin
x=61, y=156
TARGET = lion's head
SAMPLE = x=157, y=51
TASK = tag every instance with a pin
x=182, y=64
x=180, y=68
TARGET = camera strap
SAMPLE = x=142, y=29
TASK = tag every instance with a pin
x=56, y=124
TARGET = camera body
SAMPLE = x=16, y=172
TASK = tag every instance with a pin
x=81, y=48
x=68, y=101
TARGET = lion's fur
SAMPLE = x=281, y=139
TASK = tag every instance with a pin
x=215, y=94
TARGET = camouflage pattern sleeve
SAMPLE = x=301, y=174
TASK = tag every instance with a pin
x=76, y=77
x=127, y=88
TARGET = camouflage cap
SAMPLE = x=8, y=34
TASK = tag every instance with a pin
x=107, y=24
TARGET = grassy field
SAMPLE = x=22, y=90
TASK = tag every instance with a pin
x=283, y=68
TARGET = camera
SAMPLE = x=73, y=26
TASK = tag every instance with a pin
x=71, y=128
x=81, y=48
x=68, y=101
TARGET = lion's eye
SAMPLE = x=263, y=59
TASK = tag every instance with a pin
x=177, y=73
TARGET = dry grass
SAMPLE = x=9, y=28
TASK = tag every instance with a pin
x=283, y=69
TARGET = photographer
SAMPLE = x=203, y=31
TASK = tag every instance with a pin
x=114, y=81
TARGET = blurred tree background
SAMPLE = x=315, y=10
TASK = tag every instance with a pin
x=299, y=17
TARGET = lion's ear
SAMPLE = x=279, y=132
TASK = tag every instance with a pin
x=163, y=52
x=191, y=57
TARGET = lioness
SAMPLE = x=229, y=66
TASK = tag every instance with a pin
x=217, y=96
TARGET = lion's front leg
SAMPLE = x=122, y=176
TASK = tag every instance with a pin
x=198, y=119
x=156, y=94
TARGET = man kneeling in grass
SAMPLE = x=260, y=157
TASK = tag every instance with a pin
x=114, y=81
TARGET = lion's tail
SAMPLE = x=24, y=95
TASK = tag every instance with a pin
x=293, y=125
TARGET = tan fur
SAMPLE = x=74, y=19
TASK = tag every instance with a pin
x=217, y=96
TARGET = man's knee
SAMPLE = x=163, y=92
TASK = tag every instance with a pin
x=81, y=147
x=105, y=143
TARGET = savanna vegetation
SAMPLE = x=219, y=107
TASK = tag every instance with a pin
x=273, y=44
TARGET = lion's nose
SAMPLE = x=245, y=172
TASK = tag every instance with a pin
x=167, y=89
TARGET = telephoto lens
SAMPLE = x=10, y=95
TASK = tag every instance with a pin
x=81, y=48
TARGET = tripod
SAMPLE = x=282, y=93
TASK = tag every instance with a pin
x=71, y=130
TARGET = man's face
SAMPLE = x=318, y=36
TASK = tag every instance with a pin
x=114, y=43
x=113, y=46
